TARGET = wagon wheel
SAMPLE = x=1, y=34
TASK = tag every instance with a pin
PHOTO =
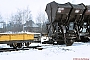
x=69, y=42
x=27, y=44
x=19, y=45
x=14, y=45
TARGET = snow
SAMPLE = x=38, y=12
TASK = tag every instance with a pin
x=50, y=52
x=4, y=46
x=44, y=38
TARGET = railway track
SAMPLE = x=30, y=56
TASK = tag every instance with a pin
x=39, y=47
x=44, y=46
x=17, y=49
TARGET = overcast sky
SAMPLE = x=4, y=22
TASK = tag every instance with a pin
x=8, y=7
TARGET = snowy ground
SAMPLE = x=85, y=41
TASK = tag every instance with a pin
x=50, y=52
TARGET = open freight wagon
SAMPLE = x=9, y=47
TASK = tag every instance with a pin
x=17, y=40
x=67, y=22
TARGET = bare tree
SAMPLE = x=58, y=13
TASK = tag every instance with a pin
x=0, y=17
x=41, y=19
x=2, y=24
x=20, y=18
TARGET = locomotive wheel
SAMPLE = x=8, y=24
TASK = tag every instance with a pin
x=69, y=42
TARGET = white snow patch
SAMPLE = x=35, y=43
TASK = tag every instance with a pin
x=4, y=46
x=50, y=52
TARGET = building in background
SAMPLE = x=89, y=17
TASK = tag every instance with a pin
x=2, y=27
x=30, y=26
